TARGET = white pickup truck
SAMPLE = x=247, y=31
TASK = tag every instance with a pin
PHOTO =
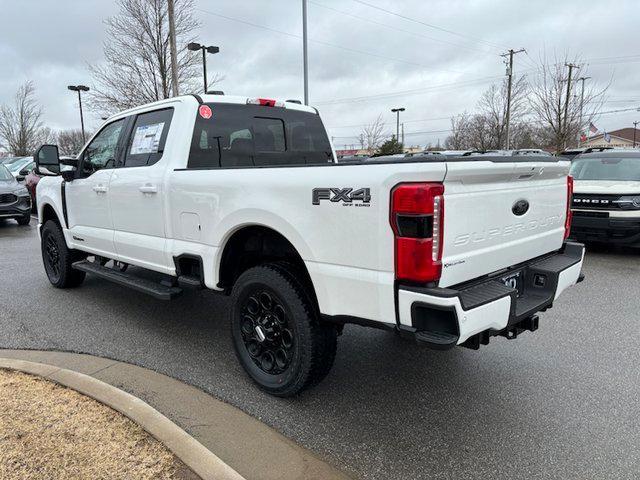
x=245, y=197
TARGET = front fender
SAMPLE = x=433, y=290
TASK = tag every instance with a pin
x=49, y=196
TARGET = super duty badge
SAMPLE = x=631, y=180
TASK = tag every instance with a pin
x=348, y=196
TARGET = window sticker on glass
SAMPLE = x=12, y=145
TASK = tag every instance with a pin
x=147, y=139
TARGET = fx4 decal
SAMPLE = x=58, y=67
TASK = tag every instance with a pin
x=348, y=196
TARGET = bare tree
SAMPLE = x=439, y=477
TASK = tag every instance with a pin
x=138, y=63
x=372, y=135
x=548, y=95
x=21, y=126
x=486, y=129
x=459, y=138
x=493, y=107
x=70, y=142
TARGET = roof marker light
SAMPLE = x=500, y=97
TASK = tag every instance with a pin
x=265, y=102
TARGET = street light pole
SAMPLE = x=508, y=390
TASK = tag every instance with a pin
x=635, y=127
x=397, y=112
x=79, y=89
x=194, y=47
x=305, y=58
x=204, y=68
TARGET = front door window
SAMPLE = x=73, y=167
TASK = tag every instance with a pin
x=102, y=151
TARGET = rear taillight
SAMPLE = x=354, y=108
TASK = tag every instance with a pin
x=567, y=222
x=417, y=214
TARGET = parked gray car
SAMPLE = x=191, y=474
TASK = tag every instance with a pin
x=15, y=201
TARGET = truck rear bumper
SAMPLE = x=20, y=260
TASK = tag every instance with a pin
x=471, y=313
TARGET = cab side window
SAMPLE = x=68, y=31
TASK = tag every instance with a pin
x=148, y=138
x=102, y=151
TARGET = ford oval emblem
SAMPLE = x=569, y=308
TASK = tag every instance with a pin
x=520, y=208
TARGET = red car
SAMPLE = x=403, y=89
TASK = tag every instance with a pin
x=31, y=180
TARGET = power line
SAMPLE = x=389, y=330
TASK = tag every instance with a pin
x=436, y=27
x=425, y=132
x=637, y=109
x=320, y=42
x=527, y=122
x=621, y=57
x=374, y=22
x=415, y=120
x=417, y=91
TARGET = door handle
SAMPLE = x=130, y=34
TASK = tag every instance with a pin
x=100, y=188
x=148, y=188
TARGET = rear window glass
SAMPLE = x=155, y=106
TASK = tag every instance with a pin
x=253, y=135
x=615, y=169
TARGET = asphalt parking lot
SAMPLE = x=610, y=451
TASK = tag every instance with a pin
x=562, y=402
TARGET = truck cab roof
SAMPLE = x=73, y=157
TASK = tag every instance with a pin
x=216, y=98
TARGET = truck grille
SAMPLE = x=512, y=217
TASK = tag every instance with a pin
x=7, y=198
x=595, y=201
x=580, y=213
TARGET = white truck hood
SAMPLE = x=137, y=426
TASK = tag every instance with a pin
x=614, y=187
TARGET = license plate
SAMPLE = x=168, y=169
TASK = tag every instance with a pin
x=513, y=280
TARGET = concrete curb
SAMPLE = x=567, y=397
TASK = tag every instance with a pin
x=191, y=452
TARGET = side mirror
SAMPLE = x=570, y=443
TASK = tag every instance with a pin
x=23, y=173
x=72, y=162
x=47, y=160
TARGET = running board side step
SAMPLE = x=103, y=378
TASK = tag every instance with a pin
x=157, y=290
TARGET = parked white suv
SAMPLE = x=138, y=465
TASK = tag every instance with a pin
x=606, y=200
x=245, y=197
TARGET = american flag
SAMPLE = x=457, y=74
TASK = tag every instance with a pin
x=592, y=128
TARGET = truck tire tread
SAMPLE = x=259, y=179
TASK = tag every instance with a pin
x=69, y=277
x=317, y=340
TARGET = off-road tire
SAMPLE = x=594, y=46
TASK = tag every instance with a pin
x=314, y=342
x=62, y=275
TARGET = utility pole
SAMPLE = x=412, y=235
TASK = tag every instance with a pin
x=509, y=54
x=566, y=101
x=635, y=127
x=304, y=52
x=174, y=51
x=581, y=79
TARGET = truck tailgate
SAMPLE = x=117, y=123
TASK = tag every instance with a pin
x=497, y=215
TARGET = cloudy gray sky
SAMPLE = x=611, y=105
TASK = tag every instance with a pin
x=363, y=61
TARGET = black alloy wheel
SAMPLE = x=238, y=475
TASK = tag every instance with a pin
x=51, y=255
x=266, y=332
x=58, y=258
x=276, y=330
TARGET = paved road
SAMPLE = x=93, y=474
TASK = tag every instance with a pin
x=562, y=402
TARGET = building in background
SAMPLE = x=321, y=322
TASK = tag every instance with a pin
x=365, y=152
x=616, y=138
